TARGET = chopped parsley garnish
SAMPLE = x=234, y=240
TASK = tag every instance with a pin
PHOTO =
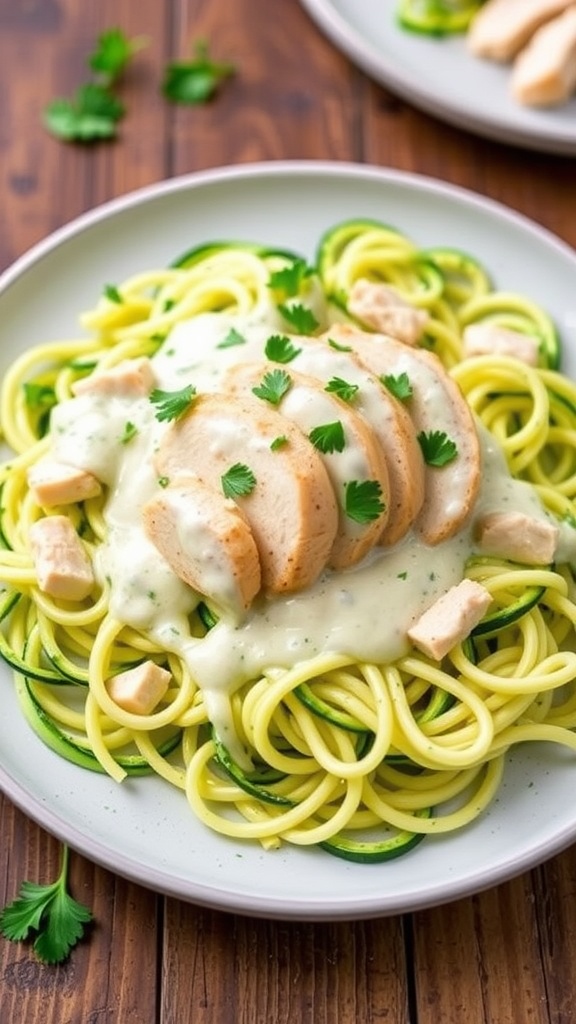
x=300, y=317
x=328, y=437
x=363, y=502
x=289, y=279
x=232, y=338
x=437, y=448
x=112, y=294
x=92, y=114
x=163, y=481
x=197, y=80
x=279, y=349
x=402, y=576
x=238, y=481
x=399, y=386
x=273, y=386
x=50, y=912
x=39, y=396
x=342, y=388
x=339, y=348
x=130, y=431
x=172, y=404
x=113, y=52
x=278, y=442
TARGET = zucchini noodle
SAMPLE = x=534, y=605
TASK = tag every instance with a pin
x=364, y=757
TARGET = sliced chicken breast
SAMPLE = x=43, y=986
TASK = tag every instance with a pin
x=350, y=450
x=502, y=27
x=436, y=406
x=544, y=73
x=273, y=472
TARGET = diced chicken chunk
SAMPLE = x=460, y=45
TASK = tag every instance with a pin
x=379, y=306
x=502, y=27
x=516, y=536
x=207, y=541
x=450, y=619
x=63, y=568
x=132, y=378
x=545, y=71
x=56, y=483
x=491, y=339
x=139, y=689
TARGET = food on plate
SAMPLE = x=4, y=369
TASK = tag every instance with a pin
x=536, y=37
x=315, y=574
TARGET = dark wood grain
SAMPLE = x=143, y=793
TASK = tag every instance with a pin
x=501, y=957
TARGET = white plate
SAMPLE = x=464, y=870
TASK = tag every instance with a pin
x=143, y=829
x=440, y=76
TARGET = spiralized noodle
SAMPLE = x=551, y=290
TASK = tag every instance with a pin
x=360, y=757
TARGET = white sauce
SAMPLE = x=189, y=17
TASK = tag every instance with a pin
x=364, y=612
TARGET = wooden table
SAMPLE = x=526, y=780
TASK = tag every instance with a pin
x=502, y=957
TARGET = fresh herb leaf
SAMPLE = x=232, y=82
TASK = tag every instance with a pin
x=173, y=404
x=197, y=80
x=339, y=348
x=328, y=437
x=113, y=52
x=289, y=280
x=437, y=448
x=39, y=396
x=238, y=481
x=91, y=115
x=278, y=442
x=51, y=912
x=232, y=338
x=273, y=386
x=112, y=294
x=163, y=481
x=300, y=317
x=279, y=349
x=363, y=502
x=399, y=386
x=130, y=431
x=342, y=388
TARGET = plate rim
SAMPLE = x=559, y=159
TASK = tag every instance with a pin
x=117, y=861
x=360, y=51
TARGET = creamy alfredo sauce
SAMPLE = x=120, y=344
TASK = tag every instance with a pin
x=363, y=612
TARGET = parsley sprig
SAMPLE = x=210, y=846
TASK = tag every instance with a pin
x=300, y=317
x=363, y=502
x=288, y=281
x=328, y=437
x=196, y=80
x=238, y=481
x=399, y=385
x=49, y=911
x=232, y=338
x=273, y=386
x=94, y=111
x=171, y=405
x=279, y=349
x=337, y=386
x=437, y=448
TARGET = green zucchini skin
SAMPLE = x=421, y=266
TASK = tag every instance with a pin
x=437, y=17
x=373, y=852
x=255, y=783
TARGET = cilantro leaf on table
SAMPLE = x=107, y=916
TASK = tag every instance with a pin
x=114, y=49
x=437, y=448
x=91, y=115
x=171, y=405
x=363, y=502
x=51, y=912
x=197, y=80
x=238, y=481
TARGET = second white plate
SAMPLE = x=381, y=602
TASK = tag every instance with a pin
x=440, y=76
